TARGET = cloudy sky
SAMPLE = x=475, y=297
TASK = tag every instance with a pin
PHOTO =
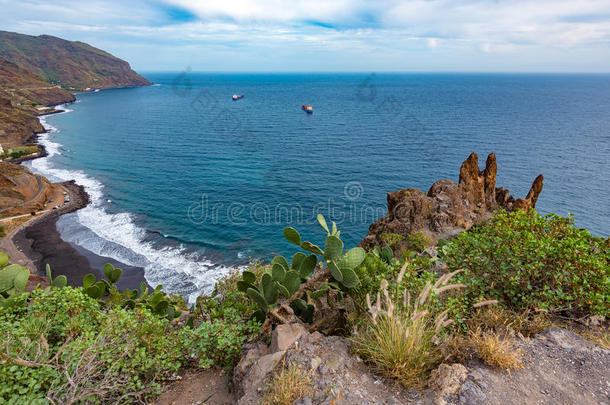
x=331, y=35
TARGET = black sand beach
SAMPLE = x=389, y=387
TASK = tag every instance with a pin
x=42, y=244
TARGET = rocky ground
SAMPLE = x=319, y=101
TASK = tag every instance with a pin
x=559, y=368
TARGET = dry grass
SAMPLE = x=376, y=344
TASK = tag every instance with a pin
x=401, y=338
x=495, y=350
x=495, y=318
x=490, y=332
x=288, y=385
x=599, y=337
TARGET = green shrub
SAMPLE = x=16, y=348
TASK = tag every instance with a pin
x=51, y=334
x=529, y=261
x=418, y=241
x=227, y=298
x=392, y=239
x=219, y=341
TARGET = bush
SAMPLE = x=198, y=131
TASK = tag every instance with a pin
x=60, y=345
x=529, y=261
x=219, y=342
x=227, y=297
x=392, y=239
x=418, y=241
x=402, y=334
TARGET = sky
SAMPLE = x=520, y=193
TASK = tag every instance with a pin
x=331, y=35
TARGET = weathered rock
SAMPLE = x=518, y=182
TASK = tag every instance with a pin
x=448, y=208
x=559, y=368
x=447, y=381
x=337, y=375
x=283, y=336
x=254, y=379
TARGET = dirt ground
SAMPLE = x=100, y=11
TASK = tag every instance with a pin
x=198, y=387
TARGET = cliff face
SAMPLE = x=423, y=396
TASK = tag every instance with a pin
x=16, y=126
x=22, y=192
x=72, y=65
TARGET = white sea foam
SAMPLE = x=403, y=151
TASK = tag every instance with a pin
x=117, y=236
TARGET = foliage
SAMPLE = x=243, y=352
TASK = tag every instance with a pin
x=68, y=345
x=2, y=231
x=418, y=241
x=401, y=335
x=219, y=342
x=287, y=280
x=158, y=302
x=392, y=239
x=61, y=344
x=227, y=297
x=529, y=261
x=13, y=277
x=288, y=385
x=375, y=268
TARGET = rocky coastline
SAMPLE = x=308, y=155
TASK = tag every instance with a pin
x=41, y=243
x=27, y=93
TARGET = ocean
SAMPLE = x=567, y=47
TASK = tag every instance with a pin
x=187, y=183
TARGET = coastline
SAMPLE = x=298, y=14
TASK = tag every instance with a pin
x=37, y=242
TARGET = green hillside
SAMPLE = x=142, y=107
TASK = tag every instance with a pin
x=72, y=65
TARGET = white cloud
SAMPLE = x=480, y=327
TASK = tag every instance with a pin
x=421, y=33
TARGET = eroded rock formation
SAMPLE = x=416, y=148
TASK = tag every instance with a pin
x=449, y=208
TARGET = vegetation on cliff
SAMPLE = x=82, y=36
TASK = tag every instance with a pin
x=73, y=345
x=408, y=310
x=72, y=65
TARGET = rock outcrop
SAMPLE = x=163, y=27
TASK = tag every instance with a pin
x=337, y=376
x=22, y=192
x=449, y=208
x=559, y=368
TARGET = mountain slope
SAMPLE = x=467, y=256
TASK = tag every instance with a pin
x=72, y=65
x=24, y=88
x=21, y=95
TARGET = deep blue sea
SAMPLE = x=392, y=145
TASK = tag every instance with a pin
x=186, y=182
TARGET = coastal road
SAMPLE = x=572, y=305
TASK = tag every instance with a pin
x=8, y=246
x=22, y=215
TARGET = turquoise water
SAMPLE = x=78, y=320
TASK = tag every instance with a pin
x=186, y=182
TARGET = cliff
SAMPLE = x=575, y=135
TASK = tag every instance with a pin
x=22, y=192
x=71, y=64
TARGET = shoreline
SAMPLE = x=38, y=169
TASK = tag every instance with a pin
x=37, y=242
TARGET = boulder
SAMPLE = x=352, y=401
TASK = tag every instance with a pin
x=285, y=335
x=449, y=208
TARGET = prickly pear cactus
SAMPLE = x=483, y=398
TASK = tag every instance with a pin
x=13, y=278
